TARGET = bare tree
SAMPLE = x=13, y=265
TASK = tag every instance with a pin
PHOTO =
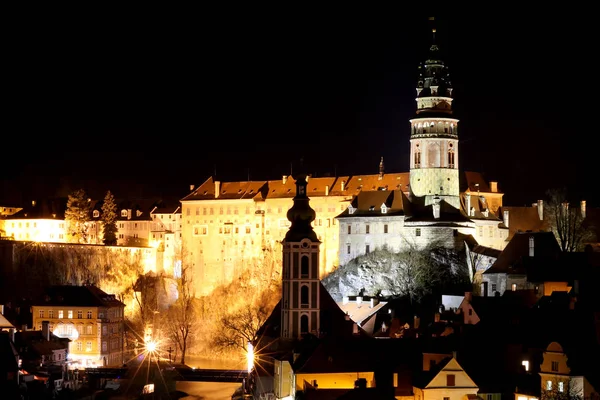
x=241, y=326
x=561, y=388
x=181, y=316
x=566, y=222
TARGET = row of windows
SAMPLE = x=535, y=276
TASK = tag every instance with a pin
x=248, y=210
x=368, y=229
x=61, y=314
x=61, y=225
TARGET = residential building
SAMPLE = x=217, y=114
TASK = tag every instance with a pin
x=89, y=317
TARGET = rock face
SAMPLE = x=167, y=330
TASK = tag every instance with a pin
x=394, y=275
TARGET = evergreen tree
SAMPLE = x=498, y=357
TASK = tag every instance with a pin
x=77, y=216
x=109, y=220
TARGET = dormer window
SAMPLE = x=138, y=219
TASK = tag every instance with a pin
x=351, y=209
x=123, y=213
x=372, y=208
x=138, y=213
x=96, y=214
x=384, y=209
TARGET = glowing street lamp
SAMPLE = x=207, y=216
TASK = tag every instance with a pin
x=250, y=357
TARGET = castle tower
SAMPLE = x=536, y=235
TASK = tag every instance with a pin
x=300, y=278
x=434, y=135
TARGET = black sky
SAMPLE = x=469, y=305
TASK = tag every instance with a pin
x=148, y=106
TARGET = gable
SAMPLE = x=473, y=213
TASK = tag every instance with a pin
x=452, y=367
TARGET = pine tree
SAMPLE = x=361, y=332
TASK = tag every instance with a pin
x=77, y=216
x=109, y=220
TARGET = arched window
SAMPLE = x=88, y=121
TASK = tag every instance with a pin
x=304, y=324
x=417, y=157
x=304, y=267
x=451, y=158
x=304, y=296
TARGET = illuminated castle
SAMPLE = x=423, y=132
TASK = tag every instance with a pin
x=231, y=226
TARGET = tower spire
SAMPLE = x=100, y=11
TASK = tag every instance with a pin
x=381, y=169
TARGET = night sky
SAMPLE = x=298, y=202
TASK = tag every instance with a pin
x=146, y=107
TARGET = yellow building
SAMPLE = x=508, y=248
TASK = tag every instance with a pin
x=89, y=317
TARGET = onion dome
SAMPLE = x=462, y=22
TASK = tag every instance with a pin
x=301, y=215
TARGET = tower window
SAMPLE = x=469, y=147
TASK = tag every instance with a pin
x=304, y=267
x=367, y=249
x=451, y=158
x=304, y=296
x=304, y=324
x=348, y=249
x=349, y=229
x=367, y=229
x=385, y=228
x=418, y=158
x=418, y=232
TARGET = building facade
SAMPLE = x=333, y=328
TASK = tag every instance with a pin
x=90, y=318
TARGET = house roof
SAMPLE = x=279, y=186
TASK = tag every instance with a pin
x=77, y=296
x=50, y=208
x=510, y=260
x=522, y=219
x=369, y=204
x=4, y=323
x=480, y=206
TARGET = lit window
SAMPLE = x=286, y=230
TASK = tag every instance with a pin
x=41, y=313
x=548, y=385
x=525, y=363
x=70, y=314
x=561, y=386
x=513, y=287
x=60, y=314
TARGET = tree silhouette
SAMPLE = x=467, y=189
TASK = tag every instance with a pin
x=77, y=216
x=109, y=220
x=566, y=222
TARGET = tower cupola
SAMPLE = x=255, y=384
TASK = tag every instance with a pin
x=301, y=215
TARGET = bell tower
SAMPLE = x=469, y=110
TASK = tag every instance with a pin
x=300, y=311
x=434, y=170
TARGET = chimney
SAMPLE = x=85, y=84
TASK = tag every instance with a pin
x=46, y=330
x=583, y=209
x=468, y=201
x=436, y=210
x=284, y=179
x=343, y=185
x=416, y=322
x=326, y=190
x=531, y=246
x=359, y=300
x=540, y=207
x=217, y=189
x=192, y=188
x=505, y=218
x=374, y=302
x=345, y=300
x=347, y=316
x=307, y=177
x=494, y=187
x=355, y=328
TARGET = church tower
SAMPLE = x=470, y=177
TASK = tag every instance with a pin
x=300, y=311
x=434, y=135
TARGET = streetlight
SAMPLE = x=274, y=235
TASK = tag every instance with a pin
x=250, y=362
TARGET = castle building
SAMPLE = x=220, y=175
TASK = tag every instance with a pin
x=440, y=206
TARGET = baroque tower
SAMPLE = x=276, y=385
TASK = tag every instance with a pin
x=300, y=311
x=434, y=135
